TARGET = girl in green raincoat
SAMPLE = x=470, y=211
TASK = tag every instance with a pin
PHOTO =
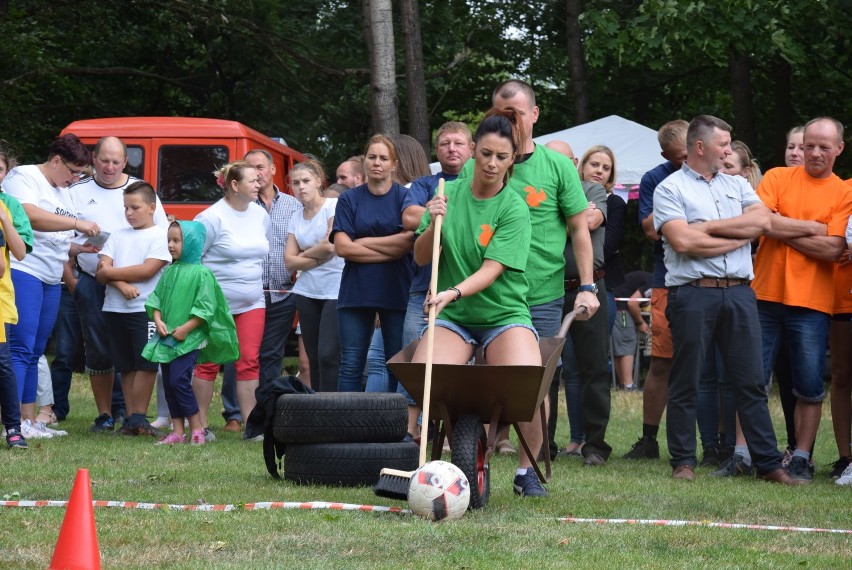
x=193, y=321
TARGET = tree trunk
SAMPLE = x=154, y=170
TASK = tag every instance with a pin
x=577, y=63
x=383, y=100
x=415, y=81
x=742, y=96
x=783, y=110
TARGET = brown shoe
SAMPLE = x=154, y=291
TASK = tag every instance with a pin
x=684, y=472
x=233, y=425
x=781, y=476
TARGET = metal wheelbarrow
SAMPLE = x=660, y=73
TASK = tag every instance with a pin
x=465, y=397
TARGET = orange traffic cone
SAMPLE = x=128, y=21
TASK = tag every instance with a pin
x=77, y=546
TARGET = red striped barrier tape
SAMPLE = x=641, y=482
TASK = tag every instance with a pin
x=708, y=524
x=313, y=505
x=316, y=505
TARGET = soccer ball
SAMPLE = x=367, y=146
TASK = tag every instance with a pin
x=439, y=491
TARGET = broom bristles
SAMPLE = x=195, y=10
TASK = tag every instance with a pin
x=393, y=484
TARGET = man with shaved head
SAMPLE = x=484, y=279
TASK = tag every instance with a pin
x=351, y=173
x=563, y=148
x=100, y=199
x=794, y=273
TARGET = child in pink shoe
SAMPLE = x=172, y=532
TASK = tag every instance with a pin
x=192, y=321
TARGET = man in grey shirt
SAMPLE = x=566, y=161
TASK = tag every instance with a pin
x=707, y=220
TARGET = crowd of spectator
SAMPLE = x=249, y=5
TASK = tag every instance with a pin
x=751, y=283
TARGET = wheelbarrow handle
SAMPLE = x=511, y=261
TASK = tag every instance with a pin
x=579, y=314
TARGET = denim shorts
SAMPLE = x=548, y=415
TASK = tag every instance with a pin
x=479, y=336
x=803, y=333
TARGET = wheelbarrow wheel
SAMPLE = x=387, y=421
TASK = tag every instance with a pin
x=468, y=454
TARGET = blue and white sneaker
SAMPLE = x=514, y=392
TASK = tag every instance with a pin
x=15, y=440
x=528, y=485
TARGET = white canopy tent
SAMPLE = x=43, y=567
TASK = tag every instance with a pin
x=635, y=146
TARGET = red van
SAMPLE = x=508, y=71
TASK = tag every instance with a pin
x=178, y=155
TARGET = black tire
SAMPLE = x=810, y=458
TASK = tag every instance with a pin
x=468, y=454
x=340, y=418
x=346, y=464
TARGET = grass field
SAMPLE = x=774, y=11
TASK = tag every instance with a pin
x=510, y=533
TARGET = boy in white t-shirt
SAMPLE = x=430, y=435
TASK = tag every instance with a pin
x=131, y=263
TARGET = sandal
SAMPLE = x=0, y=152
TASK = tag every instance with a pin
x=48, y=418
x=505, y=447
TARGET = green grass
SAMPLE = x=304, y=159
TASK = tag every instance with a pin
x=510, y=533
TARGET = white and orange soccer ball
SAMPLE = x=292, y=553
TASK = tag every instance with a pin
x=439, y=491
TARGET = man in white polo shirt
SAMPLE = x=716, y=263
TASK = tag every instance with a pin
x=100, y=199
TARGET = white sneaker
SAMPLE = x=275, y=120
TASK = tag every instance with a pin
x=29, y=431
x=53, y=432
x=161, y=422
x=846, y=477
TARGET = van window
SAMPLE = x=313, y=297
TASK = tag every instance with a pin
x=186, y=173
x=135, y=162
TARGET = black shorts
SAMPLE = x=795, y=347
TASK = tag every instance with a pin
x=128, y=335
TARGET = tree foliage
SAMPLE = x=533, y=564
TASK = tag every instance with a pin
x=301, y=70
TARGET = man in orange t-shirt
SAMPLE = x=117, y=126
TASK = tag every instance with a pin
x=794, y=272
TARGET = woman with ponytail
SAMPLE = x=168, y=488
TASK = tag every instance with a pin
x=236, y=243
x=481, y=299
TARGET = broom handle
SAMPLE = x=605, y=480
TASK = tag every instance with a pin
x=430, y=329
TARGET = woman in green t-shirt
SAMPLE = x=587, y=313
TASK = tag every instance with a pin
x=485, y=242
x=484, y=248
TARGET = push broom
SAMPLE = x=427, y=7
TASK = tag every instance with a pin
x=394, y=483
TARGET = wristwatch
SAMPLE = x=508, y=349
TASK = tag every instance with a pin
x=591, y=288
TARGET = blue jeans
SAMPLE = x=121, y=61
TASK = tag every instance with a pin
x=415, y=318
x=38, y=304
x=805, y=335
x=700, y=317
x=10, y=406
x=377, y=370
x=66, y=338
x=356, y=331
x=412, y=328
x=230, y=405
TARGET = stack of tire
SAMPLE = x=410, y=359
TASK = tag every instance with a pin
x=343, y=439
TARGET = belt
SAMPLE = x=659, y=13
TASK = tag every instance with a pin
x=571, y=284
x=717, y=283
